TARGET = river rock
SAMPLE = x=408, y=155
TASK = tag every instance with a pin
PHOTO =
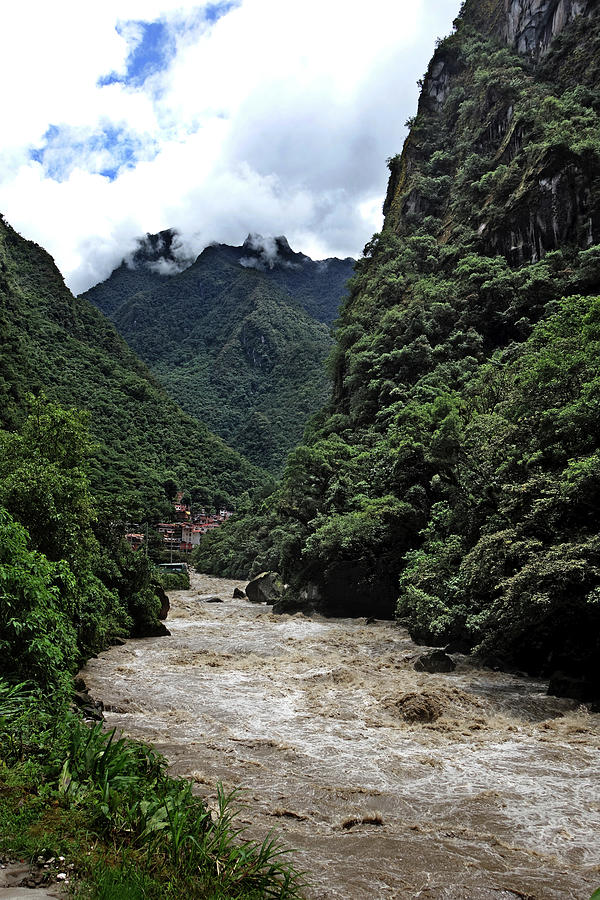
x=307, y=600
x=435, y=662
x=238, y=594
x=573, y=687
x=265, y=588
x=151, y=629
x=90, y=708
x=459, y=645
x=212, y=599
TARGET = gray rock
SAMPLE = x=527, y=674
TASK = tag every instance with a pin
x=238, y=594
x=531, y=25
x=435, y=662
x=265, y=588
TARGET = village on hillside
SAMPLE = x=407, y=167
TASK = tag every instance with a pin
x=184, y=532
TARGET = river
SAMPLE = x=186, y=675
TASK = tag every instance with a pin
x=498, y=796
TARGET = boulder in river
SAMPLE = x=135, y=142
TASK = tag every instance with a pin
x=238, y=594
x=212, y=598
x=307, y=600
x=435, y=662
x=265, y=588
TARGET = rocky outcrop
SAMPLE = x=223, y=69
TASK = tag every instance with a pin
x=265, y=588
x=530, y=26
x=90, y=709
x=165, y=603
x=558, y=211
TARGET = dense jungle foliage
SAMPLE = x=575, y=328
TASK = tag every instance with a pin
x=239, y=340
x=454, y=472
x=141, y=440
x=69, y=584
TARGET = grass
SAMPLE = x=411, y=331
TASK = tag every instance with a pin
x=128, y=829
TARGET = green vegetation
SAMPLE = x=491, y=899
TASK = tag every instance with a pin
x=66, y=593
x=453, y=473
x=240, y=348
x=124, y=827
x=174, y=581
x=53, y=342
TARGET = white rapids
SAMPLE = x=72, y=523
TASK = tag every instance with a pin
x=497, y=797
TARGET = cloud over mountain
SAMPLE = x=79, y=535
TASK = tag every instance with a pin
x=218, y=119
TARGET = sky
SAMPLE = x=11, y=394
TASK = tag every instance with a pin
x=121, y=117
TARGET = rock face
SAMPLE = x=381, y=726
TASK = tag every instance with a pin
x=165, y=604
x=531, y=25
x=265, y=588
x=554, y=200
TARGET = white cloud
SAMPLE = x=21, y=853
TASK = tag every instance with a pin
x=277, y=119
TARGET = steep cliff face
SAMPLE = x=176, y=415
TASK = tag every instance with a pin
x=532, y=25
x=528, y=26
x=456, y=471
x=529, y=114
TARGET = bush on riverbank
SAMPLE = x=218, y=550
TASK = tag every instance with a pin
x=70, y=585
x=174, y=581
x=124, y=827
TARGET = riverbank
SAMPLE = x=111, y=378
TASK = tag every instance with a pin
x=84, y=808
x=494, y=796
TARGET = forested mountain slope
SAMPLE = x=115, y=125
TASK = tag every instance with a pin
x=455, y=472
x=239, y=338
x=53, y=342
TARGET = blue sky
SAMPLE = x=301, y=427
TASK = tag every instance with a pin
x=150, y=55
x=219, y=119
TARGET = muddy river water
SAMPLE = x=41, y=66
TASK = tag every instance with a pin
x=497, y=797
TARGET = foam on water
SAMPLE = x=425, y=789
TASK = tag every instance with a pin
x=496, y=796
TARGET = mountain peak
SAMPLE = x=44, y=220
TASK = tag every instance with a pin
x=162, y=253
x=268, y=252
